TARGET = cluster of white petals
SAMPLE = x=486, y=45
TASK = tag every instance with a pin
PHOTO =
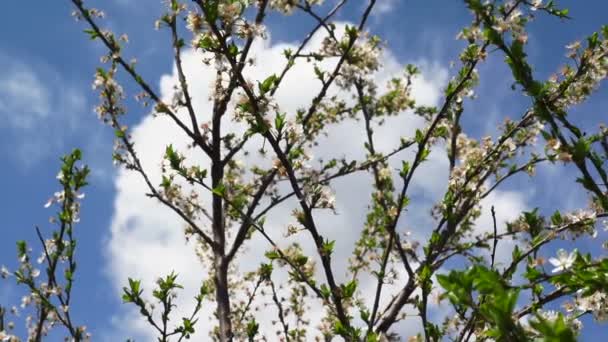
x=564, y=261
x=287, y=6
x=597, y=304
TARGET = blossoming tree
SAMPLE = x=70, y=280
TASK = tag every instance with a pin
x=224, y=203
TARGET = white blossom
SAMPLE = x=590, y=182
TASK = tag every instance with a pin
x=35, y=273
x=549, y=315
x=4, y=336
x=596, y=303
x=25, y=301
x=384, y=173
x=563, y=261
x=4, y=272
x=194, y=21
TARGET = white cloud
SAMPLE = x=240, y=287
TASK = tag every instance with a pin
x=23, y=98
x=384, y=6
x=38, y=110
x=508, y=205
x=146, y=240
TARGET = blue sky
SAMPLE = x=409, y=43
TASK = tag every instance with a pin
x=46, y=106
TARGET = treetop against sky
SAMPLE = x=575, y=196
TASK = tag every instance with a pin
x=301, y=169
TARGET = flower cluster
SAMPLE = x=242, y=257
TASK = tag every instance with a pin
x=287, y=6
x=513, y=23
x=47, y=295
x=574, y=84
x=321, y=197
x=552, y=316
x=597, y=304
x=471, y=154
x=362, y=55
x=93, y=12
x=111, y=94
x=554, y=150
x=580, y=222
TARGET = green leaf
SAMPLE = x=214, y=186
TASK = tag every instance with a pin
x=211, y=10
x=581, y=149
x=516, y=254
x=132, y=293
x=219, y=190
x=556, y=218
x=425, y=276
x=268, y=83
x=175, y=160
x=534, y=221
x=352, y=32
x=92, y=34
x=206, y=42
x=266, y=271
x=405, y=168
x=325, y=291
x=364, y=315
x=441, y=132
x=349, y=289
x=425, y=153
x=135, y=285
x=279, y=122
x=556, y=330
x=166, y=182
x=435, y=238
x=419, y=136
x=372, y=337
x=593, y=40
x=272, y=255
x=474, y=5
x=252, y=329
x=301, y=260
x=187, y=327
x=340, y=329
x=21, y=248
x=126, y=297
x=328, y=247
x=563, y=13
x=233, y=50
x=493, y=36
